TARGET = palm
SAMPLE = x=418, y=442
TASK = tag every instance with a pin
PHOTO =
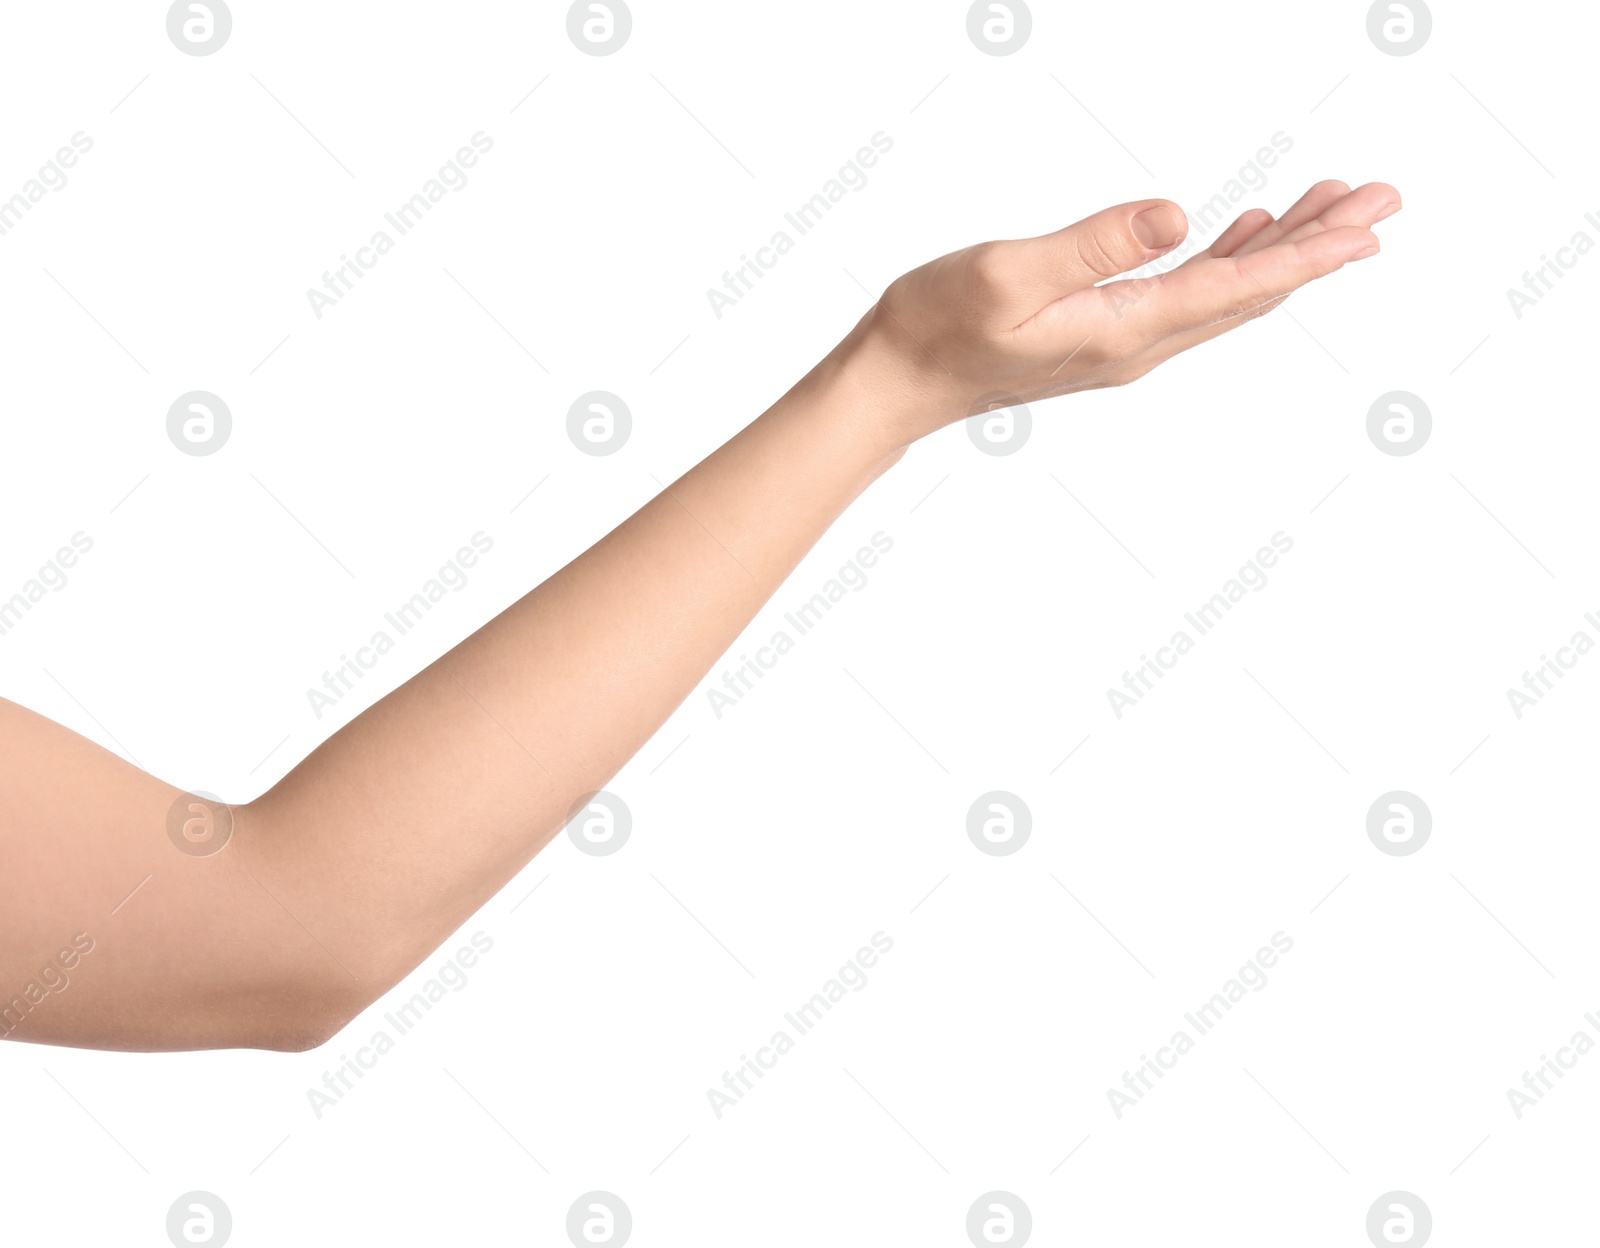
x=1033, y=318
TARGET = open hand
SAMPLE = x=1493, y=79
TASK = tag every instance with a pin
x=1030, y=318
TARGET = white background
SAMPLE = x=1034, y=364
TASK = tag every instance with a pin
x=769, y=844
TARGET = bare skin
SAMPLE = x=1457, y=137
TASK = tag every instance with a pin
x=350, y=871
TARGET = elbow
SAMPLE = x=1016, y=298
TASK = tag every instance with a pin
x=297, y=1021
x=297, y=1039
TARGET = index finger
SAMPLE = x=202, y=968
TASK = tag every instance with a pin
x=1204, y=292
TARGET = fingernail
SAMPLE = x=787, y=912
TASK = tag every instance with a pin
x=1388, y=211
x=1157, y=227
x=1371, y=249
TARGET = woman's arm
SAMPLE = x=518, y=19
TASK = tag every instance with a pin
x=342, y=878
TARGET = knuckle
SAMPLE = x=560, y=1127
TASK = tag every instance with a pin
x=988, y=268
x=1130, y=371
x=1099, y=253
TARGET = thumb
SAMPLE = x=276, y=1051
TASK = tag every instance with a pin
x=1109, y=243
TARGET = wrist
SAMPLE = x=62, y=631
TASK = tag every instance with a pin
x=865, y=388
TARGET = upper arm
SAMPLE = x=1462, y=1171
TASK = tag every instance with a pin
x=112, y=934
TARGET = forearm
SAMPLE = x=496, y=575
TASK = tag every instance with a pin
x=344, y=876
x=407, y=820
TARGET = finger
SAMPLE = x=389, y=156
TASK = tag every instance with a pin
x=1365, y=206
x=1304, y=209
x=1362, y=207
x=1245, y=227
x=1112, y=242
x=1196, y=296
x=1308, y=207
x=1359, y=208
